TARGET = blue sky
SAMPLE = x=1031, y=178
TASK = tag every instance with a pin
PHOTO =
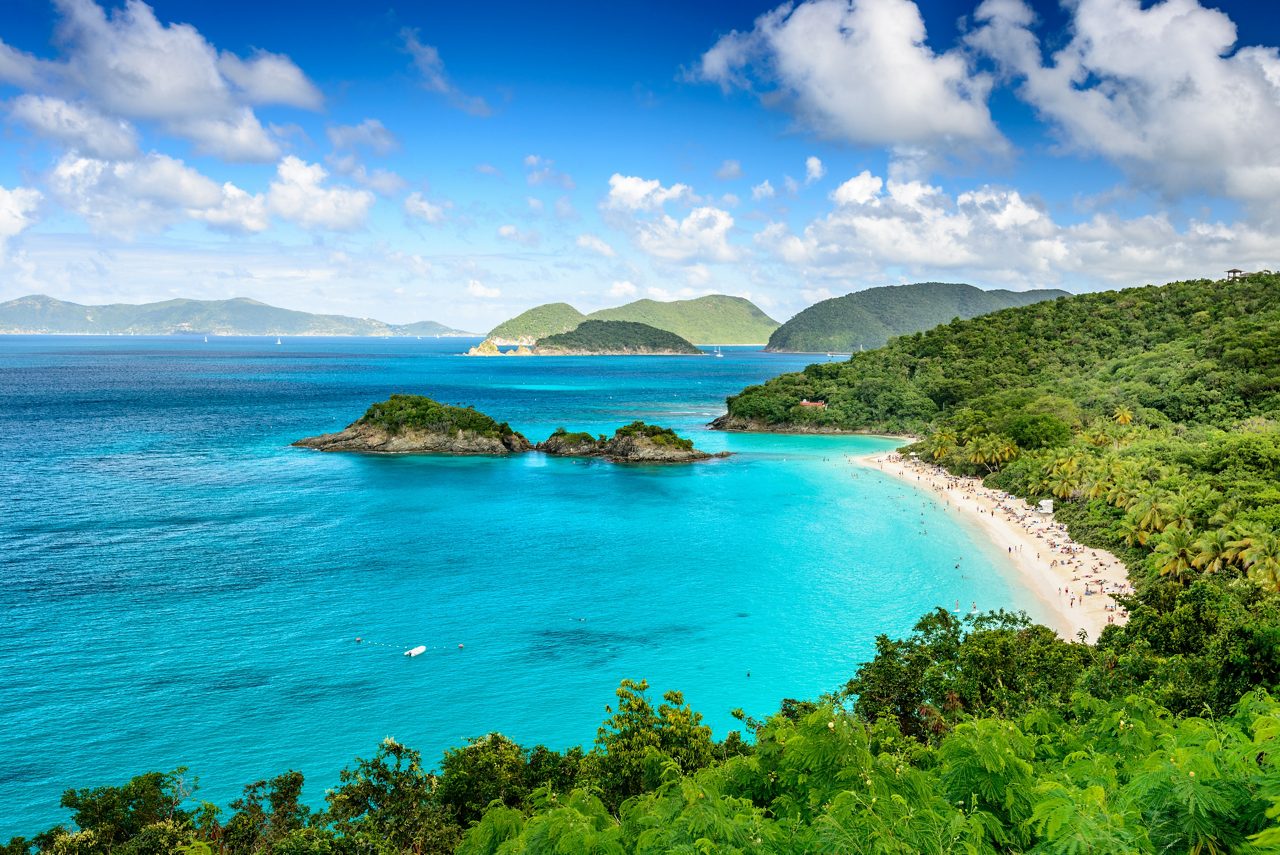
x=434, y=161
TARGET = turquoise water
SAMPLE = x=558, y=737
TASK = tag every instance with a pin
x=180, y=587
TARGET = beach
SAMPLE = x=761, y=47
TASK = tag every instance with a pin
x=1073, y=581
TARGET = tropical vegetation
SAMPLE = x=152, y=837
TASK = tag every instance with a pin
x=418, y=412
x=713, y=319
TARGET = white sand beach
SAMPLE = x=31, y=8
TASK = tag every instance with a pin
x=1074, y=581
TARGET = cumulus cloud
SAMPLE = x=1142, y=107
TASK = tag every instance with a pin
x=17, y=212
x=476, y=288
x=729, y=170
x=149, y=194
x=702, y=235
x=858, y=70
x=76, y=126
x=127, y=65
x=518, y=235
x=631, y=193
x=427, y=61
x=884, y=227
x=596, y=245
x=297, y=195
x=420, y=207
x=1158, y=90
x=763, y=190
x=813, y=169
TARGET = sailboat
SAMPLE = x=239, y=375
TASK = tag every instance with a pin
x=206, y=339
x=718, y=354
x=278, y=340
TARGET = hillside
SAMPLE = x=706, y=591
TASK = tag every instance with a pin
x=714, y=319
x=538, y=322
x=868, y=319
x=602, y=338
x=38, y=314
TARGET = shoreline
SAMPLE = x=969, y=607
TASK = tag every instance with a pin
x=1050, y=565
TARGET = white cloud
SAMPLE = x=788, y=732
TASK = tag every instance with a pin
x=128, y=65
x=623, y=289
x=596, y=245
x=859, y=190
x=417, y=205
x=17, y=209
x=534, y=204
x=488, y=169
x=763, y=190
x=1158, y=90
x=729, y=170
x=858, y=70
x=702, y=235
x=240, y=138
x=630, y=193
x=813, y=169
x=476, y=288
x=149, y=194
x=270, y=78
x=370, y=134
x=426, y=59
x=297, y=196
x=76, y=126
x=791, y=185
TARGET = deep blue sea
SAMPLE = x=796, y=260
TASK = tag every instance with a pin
x=178, y=586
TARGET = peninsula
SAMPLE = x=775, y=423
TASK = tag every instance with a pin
x=598, y=338
x=713, y=319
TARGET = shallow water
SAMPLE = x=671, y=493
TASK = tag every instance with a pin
x=180, y=587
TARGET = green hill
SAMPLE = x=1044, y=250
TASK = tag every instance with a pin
x=868, y=319
x=538, y=322
x=40, y=314
x=714, y=319
x=614, y=337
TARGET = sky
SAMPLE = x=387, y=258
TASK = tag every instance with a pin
x=463, y=163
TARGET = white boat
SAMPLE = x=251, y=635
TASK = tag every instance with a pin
x=719, y=355
x=278, y=340
x=206, y=339
x=417, y=651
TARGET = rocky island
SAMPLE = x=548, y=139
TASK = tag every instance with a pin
x=634, y=443
x=415, y=424
x=598, y=338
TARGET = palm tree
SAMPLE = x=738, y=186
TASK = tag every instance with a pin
x=1262, y=559
x=1132, y=531
x=1175, y=552
x=1123, y=416
x=1213, y=551
x=1153, y=512
x=943, y=443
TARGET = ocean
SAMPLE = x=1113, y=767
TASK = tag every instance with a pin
x=180, y=587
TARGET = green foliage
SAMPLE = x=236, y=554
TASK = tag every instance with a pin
x=615, y=337
x=654, y=433
x=417, y=412
x=868, y=319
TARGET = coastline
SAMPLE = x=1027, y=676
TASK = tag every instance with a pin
x=1050, y=565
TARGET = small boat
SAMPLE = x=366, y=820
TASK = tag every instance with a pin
x=278, y=340
x=206, y=339
x=417, y=651
x=719, y=355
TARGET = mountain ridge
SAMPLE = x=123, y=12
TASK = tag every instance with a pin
x=40, y=314
x=711, y=319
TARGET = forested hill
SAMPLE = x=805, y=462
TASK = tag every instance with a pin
x=1197, y=352
x=713, y=319
x=614, y=337
x=41, y=314
x=868, y=319
x=538, y=322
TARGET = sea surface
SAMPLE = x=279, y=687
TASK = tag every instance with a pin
x=179, y=587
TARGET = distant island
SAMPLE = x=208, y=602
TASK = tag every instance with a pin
x=598, y=338
x=416, y=424
x=41, y=315
x=714, y=319
x=868, y=319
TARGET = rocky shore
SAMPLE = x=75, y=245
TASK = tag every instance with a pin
x=622, y=449
x=377, y=440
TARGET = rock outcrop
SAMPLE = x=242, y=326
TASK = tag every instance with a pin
x=374, y=439
x=635, y=443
